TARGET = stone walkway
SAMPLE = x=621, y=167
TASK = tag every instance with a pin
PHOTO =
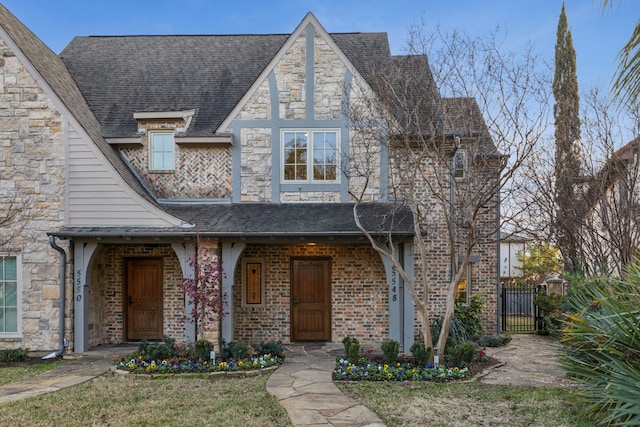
x=528, y=360
x=303, y=386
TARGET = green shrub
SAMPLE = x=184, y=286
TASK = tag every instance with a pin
x=457, y=331
x=549, y=306
x=14, y=355
x=157, y=350
x=274, y=348
x=460, y=355
x=602, y=346
x=469, y=315
x=351, y=348
x=493, y=340
x=202, y=349
x=234, y=350
x=420, y=353
x=390, y=350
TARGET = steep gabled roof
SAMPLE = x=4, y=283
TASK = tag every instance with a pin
x=122, y=75
x=462, y=116
x=57, y=77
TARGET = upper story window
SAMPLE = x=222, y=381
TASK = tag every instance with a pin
x=9, y=295
x=162, y=149
x=460, y=164
x=310, y=155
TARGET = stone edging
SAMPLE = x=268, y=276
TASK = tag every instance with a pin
x=216, y=374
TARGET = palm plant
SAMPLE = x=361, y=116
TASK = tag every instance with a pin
x=602, y=338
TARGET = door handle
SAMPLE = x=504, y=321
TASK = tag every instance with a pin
x=295, y=300
x=130, y=300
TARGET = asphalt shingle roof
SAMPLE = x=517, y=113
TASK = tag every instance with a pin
x=270, y=219
x=56, y=75
x=121, y=75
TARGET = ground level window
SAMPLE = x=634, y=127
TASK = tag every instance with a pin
x=464, y=287
x=8, y=295
x=253, y=289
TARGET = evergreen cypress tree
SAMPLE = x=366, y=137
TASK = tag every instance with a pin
x=567, y=135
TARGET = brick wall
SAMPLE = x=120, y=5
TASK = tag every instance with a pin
x=106, y=292
x=359, y=294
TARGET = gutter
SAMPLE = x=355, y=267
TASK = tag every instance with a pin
x=63, y=264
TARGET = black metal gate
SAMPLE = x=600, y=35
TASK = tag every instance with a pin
x=519, y=313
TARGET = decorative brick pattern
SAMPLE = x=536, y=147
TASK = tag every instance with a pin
x=200, y=171
x=359, y=293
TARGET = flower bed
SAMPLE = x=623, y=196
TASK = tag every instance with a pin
x=368, y=370
x=178, y=365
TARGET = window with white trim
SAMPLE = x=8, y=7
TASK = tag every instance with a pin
x=9, y=295
x=162, y=151
x=310, y=155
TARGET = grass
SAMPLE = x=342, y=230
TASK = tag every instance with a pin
x=467, y=404
x=520, y=324
x=18, y=373
x=138, y=400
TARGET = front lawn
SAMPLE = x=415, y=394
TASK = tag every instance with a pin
x=138, y=400
x=467, y=404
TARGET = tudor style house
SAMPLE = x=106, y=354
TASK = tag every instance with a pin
x=124, y=157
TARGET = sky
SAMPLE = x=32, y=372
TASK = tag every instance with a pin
x=598, y=36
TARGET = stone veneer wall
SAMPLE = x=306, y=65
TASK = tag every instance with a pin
x=359, y=293
x=32, y=167
x=106, y=292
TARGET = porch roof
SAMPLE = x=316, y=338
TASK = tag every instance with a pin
x=266, y=220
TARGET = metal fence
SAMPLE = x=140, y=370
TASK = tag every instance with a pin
x=519, y=313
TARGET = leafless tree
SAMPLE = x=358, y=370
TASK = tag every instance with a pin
x=456, y=129
x=609, y=230
x=15, y=212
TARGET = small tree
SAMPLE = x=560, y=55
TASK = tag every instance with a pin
x=540, y=261
x=204, y=290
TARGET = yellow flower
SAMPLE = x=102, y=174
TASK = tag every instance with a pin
x=397, y=364
x=255, y=363
x=349, y=368
x=413, y=371
x=240, y=363
x=386, y=367
x=389, y=375
x=153, y=365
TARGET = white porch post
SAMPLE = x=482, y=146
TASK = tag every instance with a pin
x=82, y=257
x=186, y=252
x=230, y=253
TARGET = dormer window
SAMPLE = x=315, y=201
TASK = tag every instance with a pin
x=162, y=151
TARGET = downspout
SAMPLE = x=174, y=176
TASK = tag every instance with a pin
x=63, y=265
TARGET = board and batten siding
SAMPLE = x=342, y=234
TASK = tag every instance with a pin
x=99, y=197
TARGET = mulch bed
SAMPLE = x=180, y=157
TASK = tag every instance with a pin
x=29, y=361
x=477, y=367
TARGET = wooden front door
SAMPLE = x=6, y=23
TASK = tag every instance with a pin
x=143, y=298
x=311, y=299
